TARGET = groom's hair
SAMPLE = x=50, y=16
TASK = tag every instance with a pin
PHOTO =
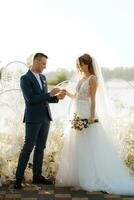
x=39, y=55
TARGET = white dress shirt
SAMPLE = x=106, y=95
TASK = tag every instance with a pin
x=37, y=76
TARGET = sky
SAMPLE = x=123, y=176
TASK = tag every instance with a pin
x=65, y=29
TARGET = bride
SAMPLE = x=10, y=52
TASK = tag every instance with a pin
x=89, y=158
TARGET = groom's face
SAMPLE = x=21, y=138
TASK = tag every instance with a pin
x=41, y=64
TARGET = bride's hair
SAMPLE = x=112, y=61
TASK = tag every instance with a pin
x=87, y=60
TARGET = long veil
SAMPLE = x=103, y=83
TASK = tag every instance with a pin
x=105, y=108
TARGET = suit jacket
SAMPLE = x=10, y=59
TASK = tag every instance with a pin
x=36, y=99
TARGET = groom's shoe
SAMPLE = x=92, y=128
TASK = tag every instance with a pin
x=41, y=180
x=17, y=184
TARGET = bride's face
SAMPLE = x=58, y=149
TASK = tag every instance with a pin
x=83, y=67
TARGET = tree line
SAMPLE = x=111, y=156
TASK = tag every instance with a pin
x=125, y=73
x=116, y=73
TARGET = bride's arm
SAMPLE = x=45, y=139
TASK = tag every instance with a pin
x=72, y=96
x=92, y=88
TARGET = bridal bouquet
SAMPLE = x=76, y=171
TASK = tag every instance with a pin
x=78, y=123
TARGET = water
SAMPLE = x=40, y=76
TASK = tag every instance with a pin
x=121, y=90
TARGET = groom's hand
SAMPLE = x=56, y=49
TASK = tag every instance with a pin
x=54, y=92
x=61, y=94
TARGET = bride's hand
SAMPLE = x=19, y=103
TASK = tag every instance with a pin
x=67, y=93
x=54, y=91
x=91, y=120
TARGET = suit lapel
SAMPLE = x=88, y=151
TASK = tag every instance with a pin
x=44, y=83
x=31, y=76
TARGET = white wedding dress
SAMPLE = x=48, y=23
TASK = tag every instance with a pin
x=89, y=158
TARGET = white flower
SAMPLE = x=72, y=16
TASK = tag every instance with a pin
x=45, y=82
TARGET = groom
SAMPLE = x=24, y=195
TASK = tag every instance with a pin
x=37, y=118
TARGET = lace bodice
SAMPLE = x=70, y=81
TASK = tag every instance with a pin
x=82, y=104
x=83, y=90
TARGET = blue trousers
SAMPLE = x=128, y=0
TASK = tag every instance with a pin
x=36, y=136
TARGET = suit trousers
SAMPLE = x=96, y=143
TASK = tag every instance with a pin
x=36, y=136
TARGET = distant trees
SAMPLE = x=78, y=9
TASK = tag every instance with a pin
x=119, y=73
x=0, y=73
x=58, y=77
x=61, y=74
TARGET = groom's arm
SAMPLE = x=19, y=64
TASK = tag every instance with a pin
x=34, y=98
x=53, y=100
x=59, y=96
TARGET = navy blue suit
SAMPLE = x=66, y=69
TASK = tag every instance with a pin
x=37, y=117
